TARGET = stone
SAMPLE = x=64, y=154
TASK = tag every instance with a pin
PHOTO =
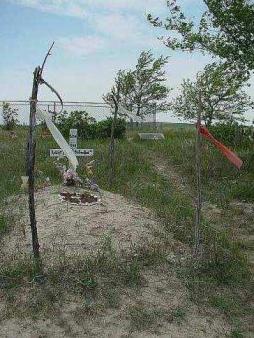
x=151, y=136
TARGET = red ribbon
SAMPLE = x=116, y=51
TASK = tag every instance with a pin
x=229, y=154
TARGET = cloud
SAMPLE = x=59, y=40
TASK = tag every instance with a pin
x=82, y=46
x=117, y=26
x=59, y=7
x=79, y=7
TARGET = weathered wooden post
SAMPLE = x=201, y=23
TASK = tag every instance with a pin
x=37, y=80
x=31, y=164
x=112, y=143
x=197, y=230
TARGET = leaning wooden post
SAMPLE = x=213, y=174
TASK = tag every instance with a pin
x=37, y=80
x=31, y=164
x=197, y=230
x=112, y=143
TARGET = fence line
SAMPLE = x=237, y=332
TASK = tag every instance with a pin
x=97, y=110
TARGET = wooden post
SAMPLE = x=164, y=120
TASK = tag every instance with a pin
x=30, y=168
x=197, y=230
x=112, y=144
x=54, y=114
x=155, y=118
x=37, y=80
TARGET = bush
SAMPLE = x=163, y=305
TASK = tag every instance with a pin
x=76, y=120
x=9, y=116
x=87, y=126
x=103, y=128
x=233, y=134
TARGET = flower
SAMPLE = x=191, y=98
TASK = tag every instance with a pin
x=71, y=177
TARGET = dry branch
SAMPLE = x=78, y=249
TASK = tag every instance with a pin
x=37, y=80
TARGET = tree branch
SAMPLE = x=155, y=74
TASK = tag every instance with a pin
x=45, y=59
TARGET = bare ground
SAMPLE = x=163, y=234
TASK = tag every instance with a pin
x=159, y=307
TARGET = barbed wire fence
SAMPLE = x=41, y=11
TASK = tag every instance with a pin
x=97, y=110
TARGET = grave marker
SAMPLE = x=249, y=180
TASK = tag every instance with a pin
x=151, y=136
x=73, y=142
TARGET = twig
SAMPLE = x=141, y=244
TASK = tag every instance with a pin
x=42, y=81
x=45, y=59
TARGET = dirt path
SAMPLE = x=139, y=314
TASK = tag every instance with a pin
x=238, y=215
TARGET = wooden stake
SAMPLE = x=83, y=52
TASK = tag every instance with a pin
x=31, y=164
x=37, y=80
x=112, y=144
x=197, y=230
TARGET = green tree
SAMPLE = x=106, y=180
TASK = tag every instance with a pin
x=147, y=81
x=10, y=116
x=120, y=90
x=223, y=98
x=225, y=29
x=144, y=87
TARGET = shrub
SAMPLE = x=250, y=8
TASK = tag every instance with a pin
x=9, y=116
x=233, y=134
x=87, y=126
x=103, y=128
x=76, y=120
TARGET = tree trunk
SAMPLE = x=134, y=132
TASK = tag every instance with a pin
x=30, y=168
x=138, y=110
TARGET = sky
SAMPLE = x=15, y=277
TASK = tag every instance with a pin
x=93, y=40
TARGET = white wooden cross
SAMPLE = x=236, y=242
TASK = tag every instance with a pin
x=73, y=142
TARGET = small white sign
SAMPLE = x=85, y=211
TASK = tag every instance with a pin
x=73, y=142
x=78, y=152
x=56, y=153
x=83, y=152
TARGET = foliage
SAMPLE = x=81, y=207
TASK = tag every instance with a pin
x=9, y=116
x=87, y=126
x=148, y=80
x=225, y=29
x=103, y=128
x=219, y=87
x=233, y=134
x=3, y=224
x=143, y=88
x=120, y=89
x=75, y=120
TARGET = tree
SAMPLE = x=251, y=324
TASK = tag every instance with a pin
x=226, y=30
x=9, y=116
x=147, y=84
x=117, y=94
x=222, y=96
x=144, y=87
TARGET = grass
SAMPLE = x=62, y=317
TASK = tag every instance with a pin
x=98, y=281
x=143, y=318
x=137, y=178
x=3, y=224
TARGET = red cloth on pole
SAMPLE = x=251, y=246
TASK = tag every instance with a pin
x=231, y=156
